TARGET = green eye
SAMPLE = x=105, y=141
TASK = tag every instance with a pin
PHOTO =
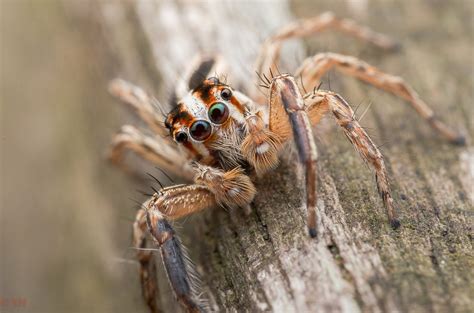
x=218, y=113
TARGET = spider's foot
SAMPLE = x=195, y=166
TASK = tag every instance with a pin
x=395, y=223
x=395, y=47
x=459, y=140
x=312, y=232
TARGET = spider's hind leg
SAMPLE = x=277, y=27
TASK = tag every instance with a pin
x=269, y=55
x=313, y=68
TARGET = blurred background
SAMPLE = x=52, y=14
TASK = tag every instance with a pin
x=65, y=212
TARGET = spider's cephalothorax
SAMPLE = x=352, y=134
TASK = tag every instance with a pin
x=232, y=138
x=209, y=122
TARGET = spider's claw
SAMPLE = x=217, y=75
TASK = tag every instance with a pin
x=395, y=223
x=395, y=47
x=459, y=140
x=312, y=232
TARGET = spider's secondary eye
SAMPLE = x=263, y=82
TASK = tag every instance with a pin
x=226, y=93
x=218, y=113
x=200, y=130
x=181, y=137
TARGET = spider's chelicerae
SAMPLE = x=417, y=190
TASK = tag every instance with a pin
x=222, y=139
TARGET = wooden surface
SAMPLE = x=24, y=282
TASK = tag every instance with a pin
x=265, y=261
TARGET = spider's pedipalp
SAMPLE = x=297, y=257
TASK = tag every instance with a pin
x=231, y=189
x=313, y=68
x=261, y=146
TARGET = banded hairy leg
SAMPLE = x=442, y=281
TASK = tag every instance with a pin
x=285, y=98
x=313, y=68
x=345, y=117
x=172, y=202
x=212, y=188
x=287, y=104
x=158, y=149
x=152, y=148
x=269, y=55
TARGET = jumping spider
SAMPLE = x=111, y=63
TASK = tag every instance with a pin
x=223, y=139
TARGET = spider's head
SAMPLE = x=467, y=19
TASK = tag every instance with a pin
x=207, y=109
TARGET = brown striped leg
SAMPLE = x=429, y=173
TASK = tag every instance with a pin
x=285, y=98
x=173, y=203
x=215, y=187
x=269, y=55
x=148, y=277
x=315, y=67
x=174, y=261
x=153, y=149
x=363, y=144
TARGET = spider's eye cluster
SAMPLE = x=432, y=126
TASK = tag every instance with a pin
x=218, y=113
x=200, y=130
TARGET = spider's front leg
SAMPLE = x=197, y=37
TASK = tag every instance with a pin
x=213, y=187
x=286, y=102
x=171, y=203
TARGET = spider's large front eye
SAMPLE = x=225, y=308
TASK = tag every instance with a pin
x=218, y=113
x=200, y=130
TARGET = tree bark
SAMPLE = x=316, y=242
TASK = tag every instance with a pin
x=266, y=261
